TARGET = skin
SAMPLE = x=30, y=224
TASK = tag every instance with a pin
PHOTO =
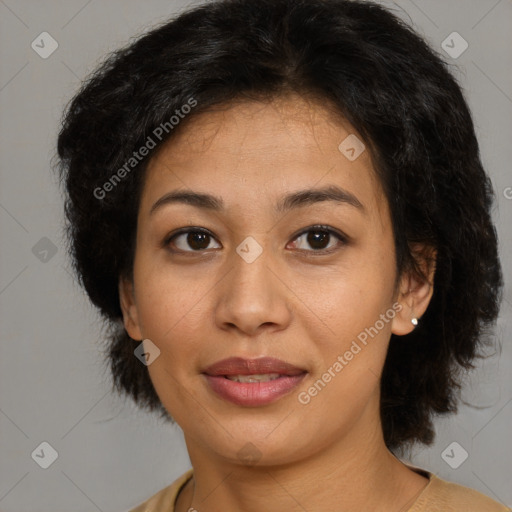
x=304, y=308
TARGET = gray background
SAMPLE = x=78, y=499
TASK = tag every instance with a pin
x=53, y=383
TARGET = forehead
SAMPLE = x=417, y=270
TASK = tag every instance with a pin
x=248, y=151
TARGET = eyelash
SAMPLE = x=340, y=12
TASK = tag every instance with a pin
x=343, y=239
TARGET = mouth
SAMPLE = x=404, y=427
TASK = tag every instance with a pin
x=261, y=377
x=252, y=382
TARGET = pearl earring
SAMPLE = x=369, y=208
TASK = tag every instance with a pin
x=414, y=321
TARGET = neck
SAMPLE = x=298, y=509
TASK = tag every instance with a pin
x=357, y=472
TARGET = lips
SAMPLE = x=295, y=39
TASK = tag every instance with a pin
x=241, y=366
x=252, y=382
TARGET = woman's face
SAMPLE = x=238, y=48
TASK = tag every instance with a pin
x=261, y=281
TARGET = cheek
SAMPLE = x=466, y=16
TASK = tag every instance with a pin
x=358, y=309
x=353, y=299
x=171, y=309
x=351, y=359
x=173, y=316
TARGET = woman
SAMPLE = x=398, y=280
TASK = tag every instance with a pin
x=279, y=207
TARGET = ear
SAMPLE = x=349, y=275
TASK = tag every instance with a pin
x=129, y=308
x=414, y=292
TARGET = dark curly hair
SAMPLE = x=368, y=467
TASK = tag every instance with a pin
x=367, y=65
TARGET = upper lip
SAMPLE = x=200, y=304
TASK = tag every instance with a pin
x=262, y=365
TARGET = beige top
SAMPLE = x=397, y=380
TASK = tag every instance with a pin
x=438, y=496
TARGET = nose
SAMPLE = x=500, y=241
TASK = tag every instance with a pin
x=253, y=296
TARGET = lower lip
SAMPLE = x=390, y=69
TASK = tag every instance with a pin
x=253, y=394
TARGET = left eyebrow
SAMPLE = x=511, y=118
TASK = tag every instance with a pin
x=311, y=196
x=291, y=201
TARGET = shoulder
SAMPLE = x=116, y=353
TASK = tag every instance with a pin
x=442, y=496
x=165, y=499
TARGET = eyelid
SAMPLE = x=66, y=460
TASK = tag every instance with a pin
x=322, y=227
x=342, y=237
x=186, y=229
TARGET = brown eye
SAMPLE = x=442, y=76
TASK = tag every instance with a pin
x=319, y=239
x=190, y=240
